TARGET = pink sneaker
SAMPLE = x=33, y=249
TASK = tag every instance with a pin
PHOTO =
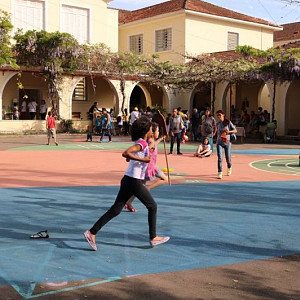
x=89, y=239
x=159, y=240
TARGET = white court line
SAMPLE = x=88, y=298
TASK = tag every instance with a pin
x=78, y=145
x=275, y=161
x=294, y=169
x=97, y=146
x=269, y=171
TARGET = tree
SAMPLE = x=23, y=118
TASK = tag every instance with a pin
x=6, y=55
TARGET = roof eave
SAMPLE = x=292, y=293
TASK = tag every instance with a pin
x=270, y=27
x=153, y=18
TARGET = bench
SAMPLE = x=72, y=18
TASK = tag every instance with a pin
x=76, y=115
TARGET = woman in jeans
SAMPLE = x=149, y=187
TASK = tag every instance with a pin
x=224, y=129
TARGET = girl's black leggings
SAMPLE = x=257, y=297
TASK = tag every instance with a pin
x=129, y=187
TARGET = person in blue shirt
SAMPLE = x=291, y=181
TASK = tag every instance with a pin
x=106, y=125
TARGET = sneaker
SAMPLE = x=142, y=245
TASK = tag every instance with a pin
x=229, y=171
x=179, y=153
x=87, y=234
x=170, y=153
x=220, y=175
x=159, y=240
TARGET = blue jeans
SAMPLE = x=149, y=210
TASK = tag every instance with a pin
x=227, y=148
x=211, y=142
x=105, y=131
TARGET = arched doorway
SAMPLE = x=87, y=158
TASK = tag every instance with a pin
x=201, y=96
x=89, y=90
x=137, y=98
x=246, y=95
x=146, y=94
x=35, y=88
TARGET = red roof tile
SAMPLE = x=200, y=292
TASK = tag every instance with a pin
x=290, y=32
x=193, y=5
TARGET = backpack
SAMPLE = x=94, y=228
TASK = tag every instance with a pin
x=233, y=137
x=208, y=128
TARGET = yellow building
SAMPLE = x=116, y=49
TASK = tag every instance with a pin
x=177, y=28
x=172, y=30
x=89, y=22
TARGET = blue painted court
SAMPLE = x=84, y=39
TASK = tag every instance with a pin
x=209, y=225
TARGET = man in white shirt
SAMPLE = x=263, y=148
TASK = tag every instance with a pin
x=32, y=109
x=134, y=115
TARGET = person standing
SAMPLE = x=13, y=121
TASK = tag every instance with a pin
x=32, y=105
x=51, y=128
x=23, y=110
x=43, y=110
x=195, y=123
x=16, y=114
x=91, y=110
x=131, y=185
x=134, y=115
x=224, y=129
x=176, y=125
x=209, y=127
x=106, y=125
x=126, y=122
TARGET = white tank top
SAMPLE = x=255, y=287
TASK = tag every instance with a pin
x=137, y=169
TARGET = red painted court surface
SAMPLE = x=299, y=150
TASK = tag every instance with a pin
x=232, y=239
x=43, y=167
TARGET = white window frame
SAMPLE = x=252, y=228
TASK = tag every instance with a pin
x=164, y=31
x=43, y=16
x=141, y=47
x=237, y=35
x=89, y=18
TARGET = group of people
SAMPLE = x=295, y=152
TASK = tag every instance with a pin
x=141, y=158
x=31, y=107
x=209, y=127
x=101, y=123
x=251, y=122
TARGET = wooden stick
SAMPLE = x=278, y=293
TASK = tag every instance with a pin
x=166, y=156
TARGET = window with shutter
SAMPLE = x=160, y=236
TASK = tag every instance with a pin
x=232, y=40
x=28, y=15
x=136, y=43
x=75, y=20
x=79, y=93
x=163, y=40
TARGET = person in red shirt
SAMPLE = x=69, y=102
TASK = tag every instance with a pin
x=51, y=128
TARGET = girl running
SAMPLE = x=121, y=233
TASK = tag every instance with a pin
x=152, y=172
x=131, y=184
